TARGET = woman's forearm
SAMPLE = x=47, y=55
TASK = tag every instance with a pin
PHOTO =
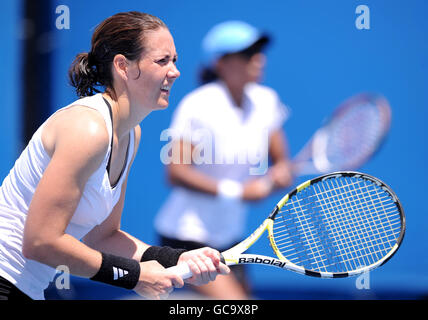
x=120, y=243
x=186, y=176
x=84, y=259
x=65, y=250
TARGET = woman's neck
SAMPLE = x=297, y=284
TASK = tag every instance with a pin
x=126, y=116
x=236, y=93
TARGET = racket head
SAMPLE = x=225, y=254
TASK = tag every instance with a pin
x=350, y=137
x=337, y=225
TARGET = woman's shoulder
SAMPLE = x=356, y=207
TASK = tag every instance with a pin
x=80, y=125
x=262, y=96
x=257, y=89
x=200, y=100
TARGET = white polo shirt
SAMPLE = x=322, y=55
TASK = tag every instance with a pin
x=230, y=142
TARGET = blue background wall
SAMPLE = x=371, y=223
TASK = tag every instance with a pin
x=318, y=59
x=10, y=32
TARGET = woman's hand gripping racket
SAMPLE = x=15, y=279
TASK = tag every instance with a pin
x=348, y=139
x=337, y=225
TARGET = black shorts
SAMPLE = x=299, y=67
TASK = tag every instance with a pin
x=239, y=271
x=9, y=292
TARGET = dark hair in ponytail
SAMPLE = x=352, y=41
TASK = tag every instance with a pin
x=122, y=33
x=82, y=76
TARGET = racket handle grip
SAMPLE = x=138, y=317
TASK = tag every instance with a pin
x=182, y=270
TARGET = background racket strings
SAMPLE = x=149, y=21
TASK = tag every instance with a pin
x=351, y=135
x=336, y=225
x=355, y=134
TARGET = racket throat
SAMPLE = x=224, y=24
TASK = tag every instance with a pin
x=273, y=213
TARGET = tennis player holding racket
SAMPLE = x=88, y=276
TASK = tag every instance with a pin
x=241, y=117
x=70, y=181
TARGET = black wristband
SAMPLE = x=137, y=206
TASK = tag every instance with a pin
x=118, y=271
x=166, y=256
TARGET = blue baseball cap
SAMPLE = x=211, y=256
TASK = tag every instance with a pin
x=230, y=37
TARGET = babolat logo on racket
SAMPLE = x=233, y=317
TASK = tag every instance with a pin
x=272, y=262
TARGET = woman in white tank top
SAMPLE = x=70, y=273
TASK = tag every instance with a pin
x=69, y=182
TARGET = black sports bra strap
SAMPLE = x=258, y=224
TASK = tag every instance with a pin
x=111, y=143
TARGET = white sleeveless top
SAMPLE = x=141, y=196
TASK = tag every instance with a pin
x=97, y=202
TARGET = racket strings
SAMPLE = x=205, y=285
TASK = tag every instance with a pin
x=355, y=133
x=337, y=226
x=349, y=234
x=339, y=241
x=318, y=218
x=368, y=250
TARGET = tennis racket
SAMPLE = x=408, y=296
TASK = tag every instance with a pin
x=348, y=139
x=337, y=225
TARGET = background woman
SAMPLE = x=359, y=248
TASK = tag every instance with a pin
x=229, y=117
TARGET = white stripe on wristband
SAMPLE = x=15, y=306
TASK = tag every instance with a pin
x=118, y=271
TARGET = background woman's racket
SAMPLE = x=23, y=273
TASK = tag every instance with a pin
x=337, y=225
x=348, y=139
